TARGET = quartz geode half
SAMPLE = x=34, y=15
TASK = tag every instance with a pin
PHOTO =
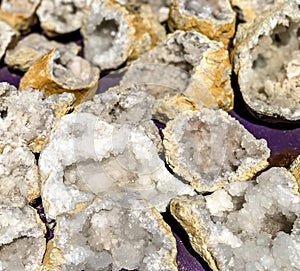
x=215, y=18
x=105, y=236
x=112, y=32
x=9, y=37
x=266, y=60
x=209, y=148
x=246, y=225
x=185, y=71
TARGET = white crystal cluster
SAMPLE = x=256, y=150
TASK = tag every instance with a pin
x=246, y=225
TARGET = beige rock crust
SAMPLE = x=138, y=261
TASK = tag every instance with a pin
x=295, y=170
x=9, y=37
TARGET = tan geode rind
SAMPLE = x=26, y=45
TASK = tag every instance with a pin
x=9, y=37
x=185, y=71
x=61, y=71
x=295, y=170
x=216, y=20
x=266, y=60
x=113, y=33
x=209, y=149
x=20, y=14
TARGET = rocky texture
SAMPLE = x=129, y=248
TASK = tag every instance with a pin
x=92, y=239
x=266, y=60
x=249, y=10
x=215, y=19
x=114, y=33
x=161, y=8
x=87, y=157
x=62, y=16
x=33, y=47
x=209, y=149
x=185, y=71
x=246, y=225
x=27, y=117
x=61, y=71
x=9, y=38
x=295, y=170
x=20, y=14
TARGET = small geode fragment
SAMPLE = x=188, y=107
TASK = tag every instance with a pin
x=31, y=48
x=9, y=38
x=267, y=62
x=246, y=225
x=61, y=71
x=215, y=18
x=20, y=14
x=62, y=16
x=185, y=71
x=27, y=117
x=106, y=236
x=113, y=33
x=209, y=149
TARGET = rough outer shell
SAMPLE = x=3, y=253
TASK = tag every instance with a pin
x=62, y=16
x=105, y=236
x=113, y=33
x=209, y=149
x=61, y=71
x=33, y=47
x=20, y=14
x=215, y=19
x=185, y=71
x=9, y=37
x=246, y=225
x=295, y=170
x=27, y=117
x=266, y=60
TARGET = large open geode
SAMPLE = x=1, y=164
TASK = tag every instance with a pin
x=266, y=61
x=246, y=225
x=209, y=149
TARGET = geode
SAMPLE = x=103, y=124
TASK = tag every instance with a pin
x=62, y=16
x=209, y=149
x=246, y=225
x=266, y=60
x=31, y=48
x=295, y=170
x=215, y=19
x=105, y=236
x=185, y=71
x=27, y=117
x=20, y=14
x=61, y=71
x=9, y=38
x=87, y=156
x=113, y=33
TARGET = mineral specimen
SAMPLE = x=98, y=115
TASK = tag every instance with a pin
x=249, y=10
x=105, y=236
x=62, y=16
x=31, y=48
x=246, y=225
x=295, y=170
x=61, y=71
x=113, y=33
x=266, y=60
x=209, y=149
x=215, y=19
x=185, y=71
x=9, y=38
x=20, y=14
x=86, y=157
x=27, y=117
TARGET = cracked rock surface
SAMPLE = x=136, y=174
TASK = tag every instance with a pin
x=209, y=149
x=196, y=73
x=246, y=225
x=113, y=33
x=33, y=47
x=62, y=71
x=27, y=117
x=266, y=60
x=9, y=37
x=215, y=18
x=92, y=239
